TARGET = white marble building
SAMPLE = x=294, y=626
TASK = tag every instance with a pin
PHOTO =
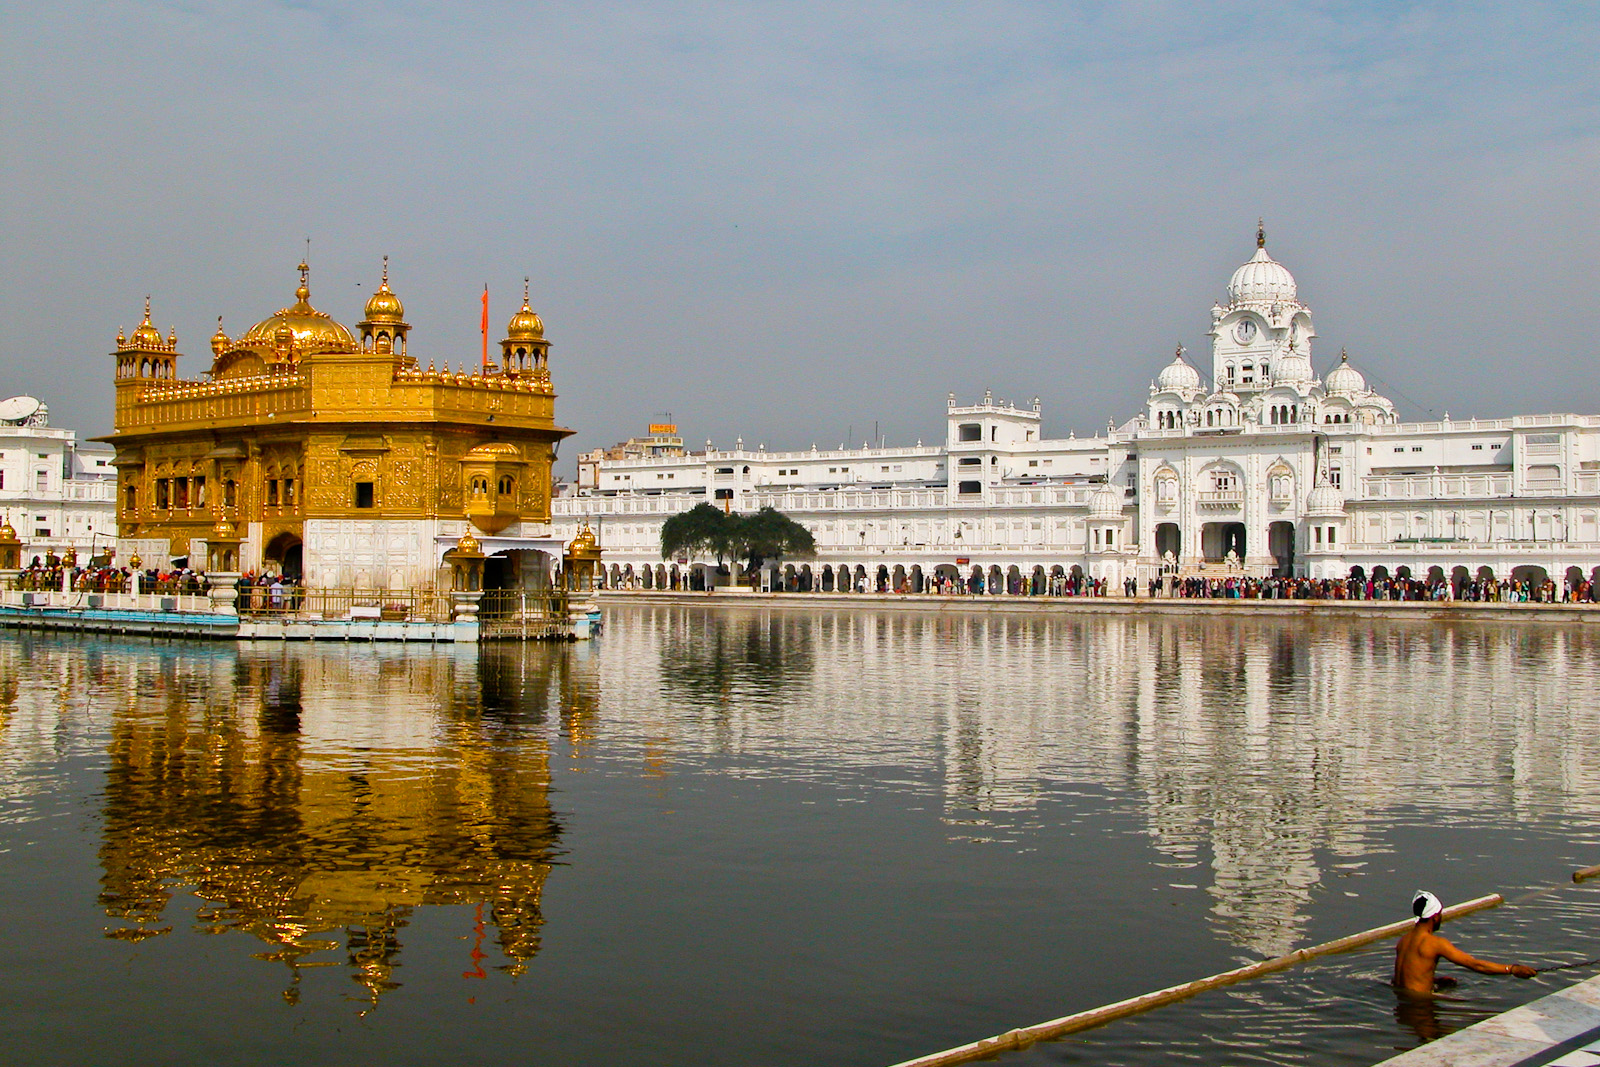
x=1265, y=468
x=57, y=493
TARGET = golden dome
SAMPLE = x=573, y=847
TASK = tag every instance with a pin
x=224, y=531
x=525, y=325
x=383, y=305
x=469, y=545
x=584, y=544
x=306, y=326
x=219, y=340
x=8, y=533
x=145, y=335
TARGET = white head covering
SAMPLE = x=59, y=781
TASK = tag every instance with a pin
x=1425, y=905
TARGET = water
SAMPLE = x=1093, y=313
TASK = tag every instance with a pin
x=802, y=837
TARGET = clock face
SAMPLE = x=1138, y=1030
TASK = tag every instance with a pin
x=1245, y=332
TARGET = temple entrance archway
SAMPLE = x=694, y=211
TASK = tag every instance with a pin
x=1217, y=539
x=1280, y=542
x=285, y=554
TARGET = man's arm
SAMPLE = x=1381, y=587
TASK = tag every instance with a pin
x=1462, y=959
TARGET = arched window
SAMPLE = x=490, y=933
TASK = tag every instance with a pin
x=506, y=485
x=480, y=485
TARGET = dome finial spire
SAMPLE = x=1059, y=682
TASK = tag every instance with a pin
x=524, y=290
x=1261, y=233
x=385, y=282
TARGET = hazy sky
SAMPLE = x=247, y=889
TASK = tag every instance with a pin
x=788, y=220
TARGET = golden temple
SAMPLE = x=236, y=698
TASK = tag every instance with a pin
x=335, y=456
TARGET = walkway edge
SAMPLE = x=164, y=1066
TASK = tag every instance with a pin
x=1536, y=1032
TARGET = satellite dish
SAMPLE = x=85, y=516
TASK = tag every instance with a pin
x=18, y=408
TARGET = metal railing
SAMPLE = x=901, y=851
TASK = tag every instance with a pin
x=537, y=614
x=387, y=605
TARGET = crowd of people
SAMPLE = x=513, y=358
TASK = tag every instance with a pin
x=47, y=573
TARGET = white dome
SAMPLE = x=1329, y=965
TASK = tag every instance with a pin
x=1262, y=280
x=1292, y=369
x=1324, y=502
x=1105, y=503
x=1178, y=376
x=1345, y=380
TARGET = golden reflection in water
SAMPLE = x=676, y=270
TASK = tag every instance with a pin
x=314, y=800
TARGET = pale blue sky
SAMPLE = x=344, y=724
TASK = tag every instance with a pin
x=782, y=220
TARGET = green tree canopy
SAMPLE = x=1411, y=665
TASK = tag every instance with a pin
x=705, y=530
x=770, y=534
x=702, y=530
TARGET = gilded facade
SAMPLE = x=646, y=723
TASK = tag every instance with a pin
x=334, y=454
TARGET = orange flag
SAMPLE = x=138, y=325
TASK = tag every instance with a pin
x=486, y=326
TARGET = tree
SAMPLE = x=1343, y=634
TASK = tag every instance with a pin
x=702, y=530
x=769, y=534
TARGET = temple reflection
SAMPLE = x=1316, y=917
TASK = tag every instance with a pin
x=318, y=823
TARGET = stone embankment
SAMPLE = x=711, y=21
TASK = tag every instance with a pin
x=1452, y=610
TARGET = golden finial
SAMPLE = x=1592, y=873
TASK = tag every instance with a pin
x=1261, y=233
x=1178, y=352
x=524, y=290
x=1344, y=357
x=304, y=291
x=385, y=283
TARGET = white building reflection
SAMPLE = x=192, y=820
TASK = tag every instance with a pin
x=1262, y=755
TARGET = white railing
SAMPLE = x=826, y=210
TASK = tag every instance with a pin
x=1431, y=486
x=1221, y=498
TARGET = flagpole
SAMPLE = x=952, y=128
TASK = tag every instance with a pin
x=485, y=325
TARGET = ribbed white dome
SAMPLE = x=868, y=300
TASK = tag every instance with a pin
x=1292, y=369
x=1345, y=380
x=1105, y=503
x=1324, y=502
x=1262, y=280
x=1178, y=376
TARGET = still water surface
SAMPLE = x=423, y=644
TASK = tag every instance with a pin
x=796, y=837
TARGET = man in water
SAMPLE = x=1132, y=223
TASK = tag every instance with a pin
x=1420, y=949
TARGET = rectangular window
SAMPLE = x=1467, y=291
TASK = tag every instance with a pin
x=970, y=461
x=1330, y=535
x=41, y=481
x=363, y=494
x=1416, y=448
x=1399, y=448
x=272, y=493
x=969, y=488
x=288, y=492
x=1033, y=463
x=130, y=498
x=2, y=479
x=969, y=431
x=162, y=500
x=200, y=491
x=230, y=493
x=180, y=494
x=1477, y=448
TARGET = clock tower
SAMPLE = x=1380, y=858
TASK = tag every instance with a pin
x=1262, y=324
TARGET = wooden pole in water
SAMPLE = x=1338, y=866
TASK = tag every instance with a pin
x=1084, y=1020
x=1585, y=874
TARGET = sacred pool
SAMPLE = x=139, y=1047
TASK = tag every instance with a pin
x=792, y=836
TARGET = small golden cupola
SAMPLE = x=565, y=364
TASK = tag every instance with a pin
x=524, y=352
x=144, y=355
x=492, y=475
x=383, y=327
x=219, y=340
